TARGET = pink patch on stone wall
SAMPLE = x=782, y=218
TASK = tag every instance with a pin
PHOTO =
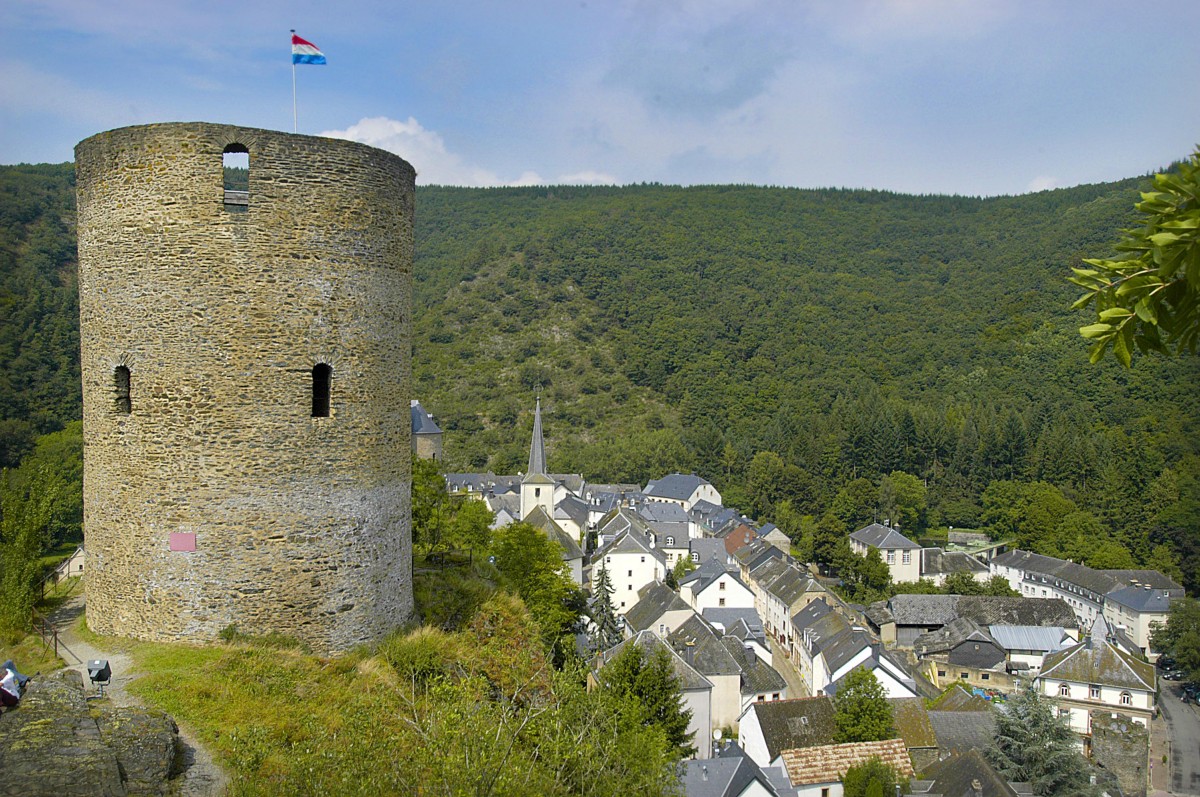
x=183, y=541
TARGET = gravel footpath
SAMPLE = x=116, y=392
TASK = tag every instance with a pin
x=201, y=776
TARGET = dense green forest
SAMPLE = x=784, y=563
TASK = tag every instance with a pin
x=786, y=344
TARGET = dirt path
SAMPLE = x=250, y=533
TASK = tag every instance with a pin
x=201, y=776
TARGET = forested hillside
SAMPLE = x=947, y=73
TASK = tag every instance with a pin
x=783, y=343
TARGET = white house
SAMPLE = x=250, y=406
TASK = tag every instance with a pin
x=1096, y=676
x=711, y=586
x=1137, y=610
x=682, y=489
x=659, y=610
x=902, y=555
x=632, y=562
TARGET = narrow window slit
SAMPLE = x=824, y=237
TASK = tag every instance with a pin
x=236, y=169
x=322, y=378
x=121, y=386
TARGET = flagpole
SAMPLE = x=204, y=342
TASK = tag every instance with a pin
x=295, y=118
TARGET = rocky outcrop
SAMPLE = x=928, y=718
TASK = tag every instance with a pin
x=57, y=743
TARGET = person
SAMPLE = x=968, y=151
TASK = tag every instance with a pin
x=10, y=693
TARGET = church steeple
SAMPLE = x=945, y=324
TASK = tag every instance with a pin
x=537, y=449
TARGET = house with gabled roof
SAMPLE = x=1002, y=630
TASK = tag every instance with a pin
x=698, y=644
x=694, y=687
x=712, y=586
x=751, y=556
x=761, y=682
x=766, y=729
x=1085, y=589
x=658, y=609
x=902, y=555
x=781, y=588
x=632, y=562
x=571, y=514
x=903, y=618
x=1137, y=611
x=745, y=624
x=937, y=564
x=572, y=554
x=1097, y=676
x=818, y=771
x=731, y=773
x=965, y=774
x=683, y=489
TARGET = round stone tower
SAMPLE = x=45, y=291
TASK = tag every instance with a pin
x=246, y=382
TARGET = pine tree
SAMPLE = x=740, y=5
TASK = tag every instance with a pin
x=1034, y=746
x=650, y=681
x=607, y=632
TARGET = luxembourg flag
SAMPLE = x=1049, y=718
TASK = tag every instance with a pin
x=305, y=52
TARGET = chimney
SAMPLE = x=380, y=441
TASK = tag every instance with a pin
x=976, y=788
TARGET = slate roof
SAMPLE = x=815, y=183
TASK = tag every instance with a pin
x=422, y=421
x=689, y=678
x=911, y=721
x=810, y=614
x=1099, y=582
x=1140, y=599
x=827, y=764
x=703, y=509
x=654, y=601
x=935, y=561
x=878, y=536
x=537, y=449
x=950, y=636
x=800, y=722
x=728, y=619
x=675, y=486
x=967, y=774
x=879, y=614
x=539, y=519
x=708, y=572
x=698, y=644
x=707, y=547
x=1097, y=661
x=963, y=730
x=784, y=579
x=633, y=539
x=727, y=775
x=752, y=555
x=825, y=629
x=509, y=502
x=843, y=647
x=655, y=511
x=930, y=610
x=758, y=677
x=574, y=508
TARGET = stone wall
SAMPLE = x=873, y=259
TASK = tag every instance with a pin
x=215, y=497
x=1122, y=747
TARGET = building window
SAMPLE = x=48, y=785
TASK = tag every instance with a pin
x=121, y=386
x=695, y=556
x=941, y=673
x=628, y=587
x=774, y=695
x=1064, y=713
x=721, y=585
x=964, y=675
x=761, y=698
x=1126, y=699
x=986, y=677
x=643, y=560
x=1064, y=690
x=907, y=557
x=891, y=557
x=630, y=574
x=720, y=602
x=235, y=162
x=1094, y=692
x=670, y=540
x=322, y=382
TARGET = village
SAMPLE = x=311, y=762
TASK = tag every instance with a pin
x=761, y=644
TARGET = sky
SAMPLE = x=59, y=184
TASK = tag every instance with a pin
x=972, y=97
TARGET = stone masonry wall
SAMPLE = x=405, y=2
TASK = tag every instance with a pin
x=300, y=524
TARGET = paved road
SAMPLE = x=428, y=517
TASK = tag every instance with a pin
x=783, y=665
x=1183, y=723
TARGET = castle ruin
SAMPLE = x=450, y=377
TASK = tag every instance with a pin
x=246, y=360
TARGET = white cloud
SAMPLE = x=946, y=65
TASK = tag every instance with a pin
x=1042, y=183
x=435, y=164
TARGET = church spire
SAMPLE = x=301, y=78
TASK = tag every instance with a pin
x=537, y=449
